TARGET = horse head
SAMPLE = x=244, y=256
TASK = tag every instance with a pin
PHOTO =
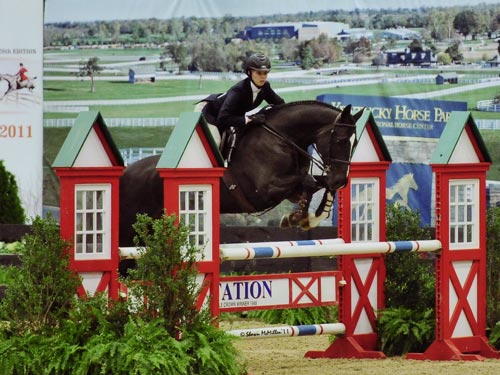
x=336, y=147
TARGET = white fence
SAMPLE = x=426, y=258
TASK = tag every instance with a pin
x=116, y=122
x=488, y=105
x=172, y=121
x=131, y=155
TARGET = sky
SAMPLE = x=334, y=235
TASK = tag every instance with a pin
x=97, y=10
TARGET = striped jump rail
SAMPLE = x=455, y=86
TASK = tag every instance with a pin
x=289, y=331
x=132, y=252
x=324, y=248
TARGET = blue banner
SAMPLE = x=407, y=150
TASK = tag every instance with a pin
x=410, y=128
x=410, y=186
x=401, y=116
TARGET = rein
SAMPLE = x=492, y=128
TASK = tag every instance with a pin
x=320, y=163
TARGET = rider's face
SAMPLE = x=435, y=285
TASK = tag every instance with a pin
x=258, y=77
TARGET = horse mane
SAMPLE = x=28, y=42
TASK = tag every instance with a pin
x=272, y=109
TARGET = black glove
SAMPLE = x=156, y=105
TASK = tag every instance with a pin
x=258, y=119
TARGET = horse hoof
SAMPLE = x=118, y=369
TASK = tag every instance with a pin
x=305, y=225
x=285, y=222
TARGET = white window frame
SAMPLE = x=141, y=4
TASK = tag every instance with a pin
x=365, y=207
x=464, y=214
x=197, y=219
x=92, y=224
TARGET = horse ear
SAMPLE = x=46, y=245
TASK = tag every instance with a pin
x=358, y=115
x=345, y=115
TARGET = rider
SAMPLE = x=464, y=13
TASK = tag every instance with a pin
x=21, y=74
x=228, y=110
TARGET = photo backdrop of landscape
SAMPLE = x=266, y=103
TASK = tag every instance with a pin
x=142, y=66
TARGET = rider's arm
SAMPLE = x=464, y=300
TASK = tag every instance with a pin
x=232, y=112
x=270, y=95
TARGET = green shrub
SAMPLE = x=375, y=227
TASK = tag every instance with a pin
x=94, y=336
x=11, y=247
x=407, y=323
x=403, y=330
x=40, y=293
x=11, y=210
x=410, y=277
x=495, y=336
x=166, y=289
x=493, y=268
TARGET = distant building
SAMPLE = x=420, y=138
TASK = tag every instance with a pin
x=361, y=32
x=400, y=34
x=407, y=58
x=299, y=30
x=450, y=77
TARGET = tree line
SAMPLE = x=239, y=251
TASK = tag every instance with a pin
x=215, y=44
x=440, y=23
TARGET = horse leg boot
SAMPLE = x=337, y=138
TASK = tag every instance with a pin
x=322, y=212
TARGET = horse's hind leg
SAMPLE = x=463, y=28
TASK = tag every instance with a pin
x=295, y=218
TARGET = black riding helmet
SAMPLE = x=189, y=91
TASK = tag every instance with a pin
x=259, y=62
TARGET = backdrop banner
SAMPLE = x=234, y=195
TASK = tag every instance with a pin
x=21, y=94
x=410, y=128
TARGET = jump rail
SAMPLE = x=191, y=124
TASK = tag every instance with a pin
x=289, y=331
x=324, y=248
x=133, y=252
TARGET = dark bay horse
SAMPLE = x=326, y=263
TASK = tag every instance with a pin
x=271, y=163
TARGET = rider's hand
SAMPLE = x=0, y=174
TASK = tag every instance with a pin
x=258, y=119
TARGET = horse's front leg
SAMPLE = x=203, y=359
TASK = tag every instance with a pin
x=322, y=212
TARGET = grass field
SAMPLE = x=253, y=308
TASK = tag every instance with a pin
x=113, y=90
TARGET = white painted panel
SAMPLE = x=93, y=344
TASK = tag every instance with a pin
x=365, y=150
x=90, y=281
x=328, y=289
x=93, y=153
x=195, y=155
x=464, y=151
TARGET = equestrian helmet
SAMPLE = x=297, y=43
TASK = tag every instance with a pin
x=259, y=62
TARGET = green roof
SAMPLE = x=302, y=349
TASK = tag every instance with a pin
x=78, y=135
x=180, y=137
x=367, y=117
x=454, y=128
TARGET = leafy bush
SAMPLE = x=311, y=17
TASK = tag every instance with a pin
x=167, y=272
x=11, y=247
x=495, y=336
x=11, y=210
x=41, y=292
x=493, y=267
x=403, y=330
x=407, y=323
x=65, y=335
x=410, y=279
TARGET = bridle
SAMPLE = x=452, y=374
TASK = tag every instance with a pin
x=324, y=166
x=335, y=140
